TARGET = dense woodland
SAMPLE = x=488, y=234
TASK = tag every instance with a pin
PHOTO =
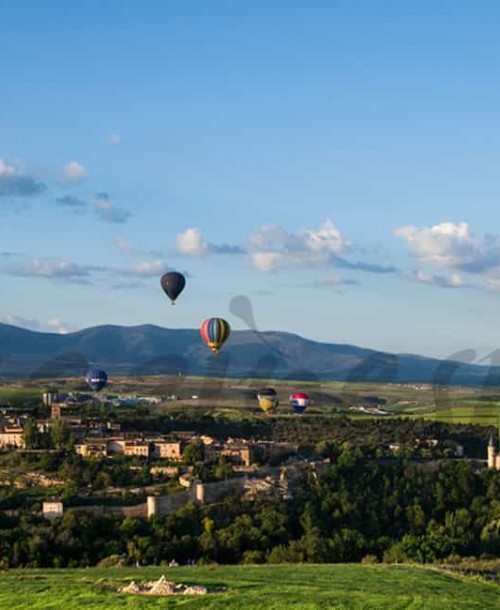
x=355, y=511
x=371, y=504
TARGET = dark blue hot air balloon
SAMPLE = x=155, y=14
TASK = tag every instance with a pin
x=96, y=379
x=173, y=284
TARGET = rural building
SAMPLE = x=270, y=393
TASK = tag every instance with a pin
x=96, y=448
x=137, y=448
x=11, y=437
x=52, y=509
x=239, y=454
x=169, y=450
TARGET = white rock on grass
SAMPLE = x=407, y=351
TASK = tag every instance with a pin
x=195, y=590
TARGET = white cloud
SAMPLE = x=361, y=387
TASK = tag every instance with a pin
x=191, y=243
x=493, y=284
x=452, y=246
x=107, y=211
x=267, y=236
x=148, y=269
x=266, y=261
x=271, y=247
x=7, y=170
x=52, y=325
x=57, y=326
x=73, y=172
x=57, y=270
x=326, y=239
x=455, y=280
x=15, y=182
x=114, y=138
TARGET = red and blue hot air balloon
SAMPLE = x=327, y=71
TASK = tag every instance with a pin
x=96, y=379
x=299, y=401
x=215, y=331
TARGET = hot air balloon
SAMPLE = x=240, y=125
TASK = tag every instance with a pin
x=215, y=331
x=268, y=399
x=299, y=401
x=96, y=379
x=173, y=284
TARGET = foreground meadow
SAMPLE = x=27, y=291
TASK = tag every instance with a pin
x=241, y=587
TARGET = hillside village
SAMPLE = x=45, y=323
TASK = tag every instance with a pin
x=101, y=437
x=70, y=454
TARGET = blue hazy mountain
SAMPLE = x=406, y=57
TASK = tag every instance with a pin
x=152, y=350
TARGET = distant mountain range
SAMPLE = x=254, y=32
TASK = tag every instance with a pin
x=152, y=350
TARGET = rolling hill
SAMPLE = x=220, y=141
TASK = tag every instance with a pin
x=149, y=350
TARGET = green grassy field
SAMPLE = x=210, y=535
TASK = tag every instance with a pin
x=235, y=398
x=252, y=587
x=16, y=394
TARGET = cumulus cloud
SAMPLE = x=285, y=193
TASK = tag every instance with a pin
x=452, y=245
x=107, y=211
x=148, y=269
x=58, y=270
x=191, y=243
x=326, y=239
x=15, y=182
x=271, y=247
x=267, y=261
x=455, y=280
x=52, y=325
x=72, y=172
x=70, y=201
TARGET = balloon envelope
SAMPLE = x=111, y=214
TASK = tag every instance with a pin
x=268, y=399
x=299, y=401
x=173, y=284
x=215, y=331
x=96, y=379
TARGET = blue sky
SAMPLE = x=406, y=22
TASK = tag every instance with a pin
x=334, y=162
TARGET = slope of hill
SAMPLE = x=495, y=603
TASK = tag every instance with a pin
x=147, y=350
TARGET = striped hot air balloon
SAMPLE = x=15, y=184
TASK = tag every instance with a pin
x=215, y=331
x=299, y=401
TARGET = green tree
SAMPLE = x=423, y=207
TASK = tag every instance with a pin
x=31, y=435
x=193, y=453
x=60, y=435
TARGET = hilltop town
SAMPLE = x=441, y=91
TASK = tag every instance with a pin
x=170, y=465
